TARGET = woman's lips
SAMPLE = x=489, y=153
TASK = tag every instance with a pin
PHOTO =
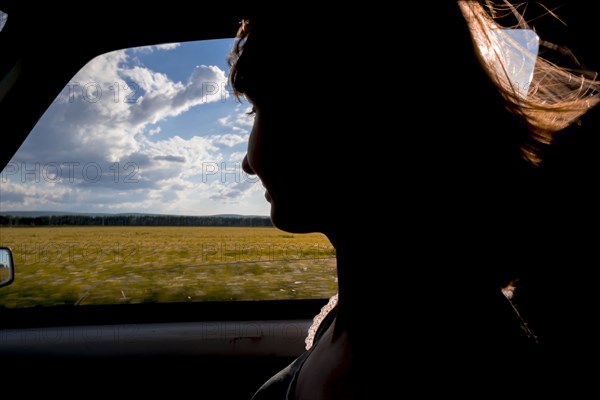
x=267, y=196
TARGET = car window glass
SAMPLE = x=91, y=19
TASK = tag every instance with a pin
x=519, y=51
x=130, y=189
x=3, y=19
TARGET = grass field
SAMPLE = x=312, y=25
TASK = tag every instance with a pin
x=108, y=265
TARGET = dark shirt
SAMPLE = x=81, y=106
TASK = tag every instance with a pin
x=282, y=385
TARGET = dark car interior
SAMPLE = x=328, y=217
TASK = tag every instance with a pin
x=216, y=350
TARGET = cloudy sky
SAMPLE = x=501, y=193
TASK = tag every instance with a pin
x=152, y=129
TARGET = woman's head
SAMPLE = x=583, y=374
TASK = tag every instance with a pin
x=344, y=100
x=300, y=134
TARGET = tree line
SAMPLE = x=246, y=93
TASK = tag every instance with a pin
x=135, y=220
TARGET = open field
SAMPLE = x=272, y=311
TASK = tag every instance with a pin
x=108, y=265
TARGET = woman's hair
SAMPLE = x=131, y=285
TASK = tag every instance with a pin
x=555, y=98
x=234, y=56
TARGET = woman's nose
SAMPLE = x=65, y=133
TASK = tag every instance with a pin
x=246, y=166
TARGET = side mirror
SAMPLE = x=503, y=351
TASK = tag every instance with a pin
x=7, y=266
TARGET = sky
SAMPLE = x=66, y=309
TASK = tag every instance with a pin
x=147, y=130
x=155, y=130
x=519, y=47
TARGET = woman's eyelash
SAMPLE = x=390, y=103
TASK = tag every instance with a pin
x=251, y=112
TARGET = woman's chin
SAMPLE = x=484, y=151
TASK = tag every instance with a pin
x=292, y=222
x=289, y=223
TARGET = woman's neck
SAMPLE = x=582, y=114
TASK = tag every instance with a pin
x=361, y=287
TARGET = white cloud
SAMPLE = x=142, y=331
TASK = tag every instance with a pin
x=154, y=131
x=170, y=158
x=44, y=195
x=230, y=139
x=151, y=82
x=236, y=156
x=93, y=117
x=167, y=46
x=236, y=192
x=151, y=49
x=241, y=121
x=193, y=153
x=164, y=98
x=111, y=157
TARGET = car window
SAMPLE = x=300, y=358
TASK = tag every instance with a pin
x=130, y=189
x=513, y=54
x=3, y=19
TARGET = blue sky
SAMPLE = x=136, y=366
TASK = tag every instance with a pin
x=153, y=129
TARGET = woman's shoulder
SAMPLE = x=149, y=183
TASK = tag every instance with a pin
x=281, y=385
